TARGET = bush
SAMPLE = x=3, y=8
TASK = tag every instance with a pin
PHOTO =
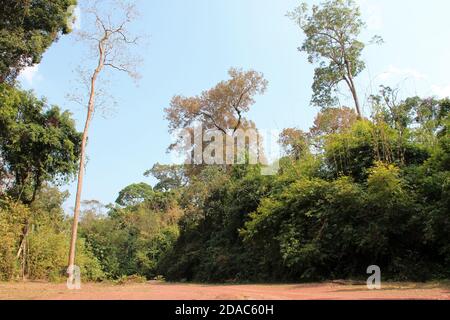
x=12, y=218
x=45, y=232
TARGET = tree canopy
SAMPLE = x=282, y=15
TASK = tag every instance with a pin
x=38, y=143
x=220, y=108
x=27, y=29
x=134, y=194
x=332, y=32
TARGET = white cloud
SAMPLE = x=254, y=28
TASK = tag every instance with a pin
x=29, y=74
x=394, y=72
x=441, y=91
x=421, y=82
x=373, y=13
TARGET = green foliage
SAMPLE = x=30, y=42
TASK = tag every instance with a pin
x=169, y=177
x=12, y=216
x=48, y=257
x=210, y=247
x=45, y=252
x=332, y=30
x=353, y=193
x=27, y=29
x=350, y=193
x=134, y=194
x=38, y=143
x=131, y=240
x=372, y=192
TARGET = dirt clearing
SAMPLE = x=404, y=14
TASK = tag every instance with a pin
x=168, y=291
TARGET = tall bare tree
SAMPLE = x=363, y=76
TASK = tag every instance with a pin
x=106, y=31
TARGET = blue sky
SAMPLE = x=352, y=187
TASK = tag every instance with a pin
x=192, y=44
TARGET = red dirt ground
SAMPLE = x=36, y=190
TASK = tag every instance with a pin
x=163, y=291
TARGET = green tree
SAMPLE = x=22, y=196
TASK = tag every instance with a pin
x=131, y=240
x=38, y=142
x=43, y=255
x=170, y=177
x=135, y=194
x=332, y=30
x=27, y=29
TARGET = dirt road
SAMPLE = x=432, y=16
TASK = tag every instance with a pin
x=163, y=291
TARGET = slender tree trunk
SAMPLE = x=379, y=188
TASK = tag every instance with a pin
x=24, y=260
x=23, y=237
x=352, y=88
x=355, y=98
x=76, y=215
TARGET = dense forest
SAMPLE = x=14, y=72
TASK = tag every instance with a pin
x=352, y=191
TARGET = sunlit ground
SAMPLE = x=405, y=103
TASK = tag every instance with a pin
x=168, y=291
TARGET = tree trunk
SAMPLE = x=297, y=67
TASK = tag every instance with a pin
x=24, y=260
x=356, y=99
x=76, y=215
x=352, y=87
